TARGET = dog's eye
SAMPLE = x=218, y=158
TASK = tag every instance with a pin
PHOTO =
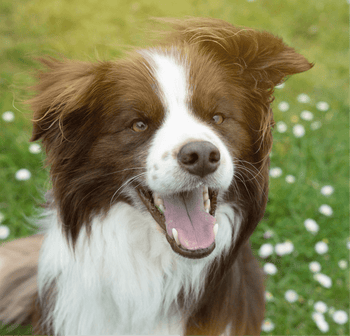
x=139, y=126
x=218, y=119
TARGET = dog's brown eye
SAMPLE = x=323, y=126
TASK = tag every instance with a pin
x=139, y=126
x=218, y=119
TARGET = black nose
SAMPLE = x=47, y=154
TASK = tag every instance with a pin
x=199, y=158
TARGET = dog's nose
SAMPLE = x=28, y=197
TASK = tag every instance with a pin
x=199, y=158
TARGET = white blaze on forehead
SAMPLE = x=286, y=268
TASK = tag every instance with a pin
x=171, y=74
x=180, y=125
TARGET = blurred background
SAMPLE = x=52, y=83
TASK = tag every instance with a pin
x=303, y=242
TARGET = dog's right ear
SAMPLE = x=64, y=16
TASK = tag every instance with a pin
x=62, y=90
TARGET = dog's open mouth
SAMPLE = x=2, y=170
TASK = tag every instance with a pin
x=187, y=219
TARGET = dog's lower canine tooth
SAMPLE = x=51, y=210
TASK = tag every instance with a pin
x=158, y=201
x=175, y=235
x=215, y=229
x=207, y=204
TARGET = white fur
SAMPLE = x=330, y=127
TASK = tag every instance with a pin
x=126, y=281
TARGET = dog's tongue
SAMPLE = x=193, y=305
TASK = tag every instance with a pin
x=185, y=212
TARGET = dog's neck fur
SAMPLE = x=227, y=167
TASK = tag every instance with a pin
x=126, y=280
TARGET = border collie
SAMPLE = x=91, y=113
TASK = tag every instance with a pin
x=159, y=168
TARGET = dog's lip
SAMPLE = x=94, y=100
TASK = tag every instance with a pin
x=146, y=195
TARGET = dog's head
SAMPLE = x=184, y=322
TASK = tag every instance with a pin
x=178, y=129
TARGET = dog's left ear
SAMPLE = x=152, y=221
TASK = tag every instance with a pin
x=62, y=91
x=260, y=58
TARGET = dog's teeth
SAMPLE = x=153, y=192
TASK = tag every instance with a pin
x=207, y=205
x=205, y=189
x=206, y=199
x=157, y=200
x=205, y=196
x=161, y=207
x=175, y=235
x=215, y=229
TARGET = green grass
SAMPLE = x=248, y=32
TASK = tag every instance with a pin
x=88, y=30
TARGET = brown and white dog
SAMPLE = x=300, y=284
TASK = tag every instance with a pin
x=159, y=166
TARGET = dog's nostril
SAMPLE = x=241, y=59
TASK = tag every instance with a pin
x=214, y=156
x=199, y=158
x=189, y=158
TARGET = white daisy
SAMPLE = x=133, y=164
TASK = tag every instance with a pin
x=290, y=179
x=322, y=106
x=325, y=210
x=298, y=131
x=320, y=307
x=288, y=247
x=315, y=267
x=265, y=250
x=303, y=98
x=284, y=248
x=323, y=279
x=291, y=295
x=267, y=325
x=320, y=321
x=280, y=249
x=311, y=225
x=281, y=127
x=281, y=86
x=23, y=174
x=270, y=269
x=306, y=115
x=275, y=172
x=321, y=247
x=8, y=116
x=283, y=106
x=343, y=264
x=323, y=325
x=327, y=190
x=4, y=231
x=34, y=148
x=340, y=317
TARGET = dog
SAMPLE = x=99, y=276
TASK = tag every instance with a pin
x=159, y=165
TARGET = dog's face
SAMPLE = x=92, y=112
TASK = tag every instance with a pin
x=175, y=130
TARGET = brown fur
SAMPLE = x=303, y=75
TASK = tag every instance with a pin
x=18, y=263
x=80, y=107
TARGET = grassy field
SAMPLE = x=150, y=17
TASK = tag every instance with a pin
x=304, y=239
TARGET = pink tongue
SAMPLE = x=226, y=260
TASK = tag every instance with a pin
x=185, y=212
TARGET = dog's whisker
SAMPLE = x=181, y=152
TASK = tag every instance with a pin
x=125, y=184
x=123, y=170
